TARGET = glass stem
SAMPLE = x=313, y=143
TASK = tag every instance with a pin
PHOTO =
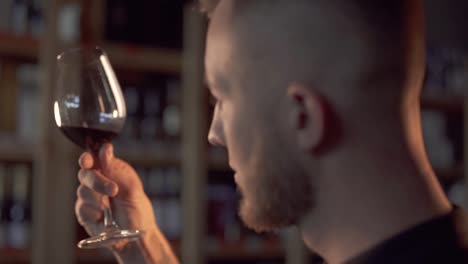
x=109, y=222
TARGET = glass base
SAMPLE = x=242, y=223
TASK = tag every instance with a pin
x=109, y=238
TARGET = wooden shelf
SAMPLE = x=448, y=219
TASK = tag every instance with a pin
x=447, y=104
x=149, y=154
x=269, y=250
x=134, y=57
x=15, y=256
x=13, y=149
x=19, y=47
x=122, y=56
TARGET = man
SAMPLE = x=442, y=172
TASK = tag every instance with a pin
x=318, y=107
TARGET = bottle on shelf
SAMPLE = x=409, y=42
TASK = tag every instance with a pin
x=155, y=182
x=171, y=112
x=3, y=204
x=5, y=15
x=164, y=190
x=446, y=72
x=155, y=190
x=35, y=18
x=69, y=23
x=223, y=224
x=28, y=103
x=143, y=174
x=457, y=194
x=19, y=215
x=19, y=17
x=151, y=118
x=173, y=207
x=438, y=147
x=130, y=130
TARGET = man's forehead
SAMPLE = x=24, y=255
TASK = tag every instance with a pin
x=235, y=55
x=220, y=48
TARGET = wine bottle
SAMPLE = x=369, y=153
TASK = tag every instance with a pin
x=150, y=125
x=5, y=13
x=171, y=114
x=36, y=18
x=130, y=129
x=19, y=17
x=28, y=101
x=18, y=233
x=173, y=204
x=3, y=203
x=69, y=23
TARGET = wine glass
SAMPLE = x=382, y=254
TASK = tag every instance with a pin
x=90, y=110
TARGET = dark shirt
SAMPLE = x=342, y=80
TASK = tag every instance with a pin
x=443, y=240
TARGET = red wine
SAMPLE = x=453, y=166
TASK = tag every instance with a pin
x=88, y=138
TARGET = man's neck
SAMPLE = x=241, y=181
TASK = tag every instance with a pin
x=364, y=203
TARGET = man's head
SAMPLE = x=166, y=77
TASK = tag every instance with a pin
x=295, y=82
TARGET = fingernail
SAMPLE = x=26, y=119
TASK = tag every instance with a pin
x=109, y=151
x=80, y=160
x=85, y=161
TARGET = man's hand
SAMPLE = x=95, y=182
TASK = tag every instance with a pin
x=107, y=176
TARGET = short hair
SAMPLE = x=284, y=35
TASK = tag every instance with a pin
x=208, y=6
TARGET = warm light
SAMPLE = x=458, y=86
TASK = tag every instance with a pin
x=115, y=114
x=115, y=86
x=58, y=120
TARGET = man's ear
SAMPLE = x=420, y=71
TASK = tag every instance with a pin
x=308, y=116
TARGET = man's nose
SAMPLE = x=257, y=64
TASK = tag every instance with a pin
x=215, y=135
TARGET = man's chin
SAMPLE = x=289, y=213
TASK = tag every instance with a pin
x=252, y=221
x=259, y=221
x=270, y=203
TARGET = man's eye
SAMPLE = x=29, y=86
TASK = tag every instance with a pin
x=212, y=101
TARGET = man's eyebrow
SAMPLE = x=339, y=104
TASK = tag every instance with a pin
x=206, y=81
x=209, y=85
x=217, y=85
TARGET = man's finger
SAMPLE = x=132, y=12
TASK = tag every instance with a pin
x=89, y=196
x=94, y=180
x=106, y=154
x=86, y=160
x=87, y=214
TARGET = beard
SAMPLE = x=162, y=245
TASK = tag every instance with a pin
x=277, y=193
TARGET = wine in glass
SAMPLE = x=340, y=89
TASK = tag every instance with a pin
x=90, y=110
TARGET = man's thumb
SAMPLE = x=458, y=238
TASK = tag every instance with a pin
x=106, y=155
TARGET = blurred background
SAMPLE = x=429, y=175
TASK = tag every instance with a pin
x=156, y=48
